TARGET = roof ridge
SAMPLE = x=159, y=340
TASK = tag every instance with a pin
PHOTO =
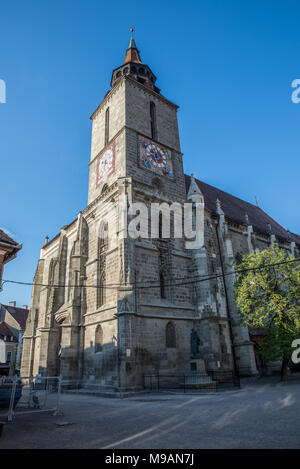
x=7, y=238
x=227, y=193
x=235, y=209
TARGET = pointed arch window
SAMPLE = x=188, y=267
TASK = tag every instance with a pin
x=102, y=250
x=170, y=335
x=153, y=120
x=160, y=225
x=162, y=285
x=106, y=126
x=98, y=339
x=238, y=258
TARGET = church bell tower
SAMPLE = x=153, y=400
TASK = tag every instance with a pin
x=135, y=131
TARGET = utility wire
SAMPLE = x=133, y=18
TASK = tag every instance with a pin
x=196, y=279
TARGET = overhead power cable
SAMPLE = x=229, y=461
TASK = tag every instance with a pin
x=189, y=281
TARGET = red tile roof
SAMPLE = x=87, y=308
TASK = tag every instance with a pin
x=7, y=239
x=235, y=209
x=19, y=314
x=6, y=332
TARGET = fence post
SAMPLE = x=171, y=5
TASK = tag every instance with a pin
x=184, y=383
x=158, y=382
x=12, y=400
x=57, y=412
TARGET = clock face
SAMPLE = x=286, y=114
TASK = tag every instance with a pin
x=155, y=157
x=105, y=164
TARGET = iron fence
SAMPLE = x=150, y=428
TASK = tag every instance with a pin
x=211, y=382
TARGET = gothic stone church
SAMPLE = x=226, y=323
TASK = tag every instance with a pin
x=116, y=333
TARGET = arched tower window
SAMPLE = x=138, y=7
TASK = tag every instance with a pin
x=106, y=140
x=98, y=339
x=170, y=335
x=153, y=120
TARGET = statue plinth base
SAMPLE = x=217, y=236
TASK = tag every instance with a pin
x=198, y=378
x=197, y=365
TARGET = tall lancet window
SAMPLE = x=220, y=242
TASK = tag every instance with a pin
x=102, y=249
x=153, y=120
x=162, y=284
x=170, y=335
x=98, y=339
x=106, y=139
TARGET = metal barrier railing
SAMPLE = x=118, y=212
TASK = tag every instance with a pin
x=23, y=395
x=73, y=386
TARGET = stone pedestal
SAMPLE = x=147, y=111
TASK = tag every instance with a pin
x=198, y=378
x=197, y=365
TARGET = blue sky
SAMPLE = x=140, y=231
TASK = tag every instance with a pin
x=228, y=64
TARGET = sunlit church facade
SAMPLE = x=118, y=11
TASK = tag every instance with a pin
x=113, y=309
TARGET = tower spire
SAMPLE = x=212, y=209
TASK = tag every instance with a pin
x=132, y=42
x=132, y=54
x=135, y=68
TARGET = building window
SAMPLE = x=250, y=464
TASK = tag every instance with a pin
x=8, y=357
x=162, y=285
x=102, y=249
x=153, y=120
x=160, y=225
x=98, y=339
x=170, y=335
x=106, y=126
x=238, y=258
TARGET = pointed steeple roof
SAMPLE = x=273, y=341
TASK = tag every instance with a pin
x=194, y=189
x=135, y=68
x=132, y=53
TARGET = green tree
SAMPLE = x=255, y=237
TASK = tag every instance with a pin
x=267, y=293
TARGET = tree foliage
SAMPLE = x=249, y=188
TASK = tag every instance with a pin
x=267, y=293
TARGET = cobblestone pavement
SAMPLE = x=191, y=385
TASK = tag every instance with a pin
x=264, y=414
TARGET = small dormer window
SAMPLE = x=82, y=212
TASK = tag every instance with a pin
x=141, y=71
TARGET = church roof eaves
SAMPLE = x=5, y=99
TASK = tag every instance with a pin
x=65, y=227
x=235, y=210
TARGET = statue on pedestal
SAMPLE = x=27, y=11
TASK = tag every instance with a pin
x=195, y=342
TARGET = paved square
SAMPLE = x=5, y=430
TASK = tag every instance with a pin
x=264, y=415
